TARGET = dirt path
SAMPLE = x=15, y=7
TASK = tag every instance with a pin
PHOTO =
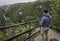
x=51, y=34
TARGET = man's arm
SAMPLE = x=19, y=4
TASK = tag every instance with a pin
x=41, y=21
x=50, y=16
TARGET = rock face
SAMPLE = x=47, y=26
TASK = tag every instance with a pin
x=4, y=7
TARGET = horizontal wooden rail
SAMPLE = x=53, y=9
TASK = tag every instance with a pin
x=14, y=25
x=31, y=35
x=11, y=38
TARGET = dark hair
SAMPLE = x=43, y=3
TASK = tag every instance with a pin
x=45, y=11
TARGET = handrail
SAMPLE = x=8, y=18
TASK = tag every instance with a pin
x=5, y=27
x=11, y=38
x=31, y=36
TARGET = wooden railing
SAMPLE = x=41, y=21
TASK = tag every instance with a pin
x=5, y=27
x=29, y=32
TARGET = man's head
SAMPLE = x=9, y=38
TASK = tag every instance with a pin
x=45, y=11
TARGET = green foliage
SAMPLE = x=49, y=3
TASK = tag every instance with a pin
x=55, y=6
x=29, y=12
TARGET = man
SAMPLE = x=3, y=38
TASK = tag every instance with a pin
x=45, y=23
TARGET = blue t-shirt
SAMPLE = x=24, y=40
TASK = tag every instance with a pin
x=45, y=20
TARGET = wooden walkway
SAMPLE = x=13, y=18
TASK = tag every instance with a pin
x=51, y=34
